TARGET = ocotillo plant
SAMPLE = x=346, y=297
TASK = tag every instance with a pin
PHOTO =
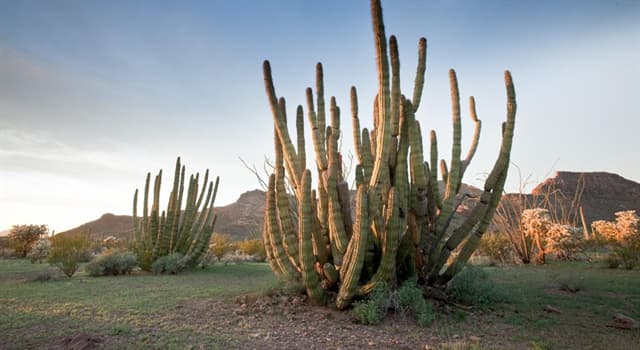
x=175, y=230
x=400, y=228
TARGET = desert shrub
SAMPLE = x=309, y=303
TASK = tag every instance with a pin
x=39, y=251
x=564, y=241
x=239, y=257
x=171, y=264
x=45, y=275
x=622, y=236
x=497, y=247
x=612, y=261
x=372, y=310
x=67, y=252
x=535, y=223
x=253, y=247
x=569, y=283
x=472, y=286
x=411, y=300
x=112, y=262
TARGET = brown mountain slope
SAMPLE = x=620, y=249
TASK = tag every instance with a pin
x=240, y=220
x=119, y=226
x=603, y=193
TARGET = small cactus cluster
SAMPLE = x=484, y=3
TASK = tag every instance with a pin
x=175, y=230
x=400, y=228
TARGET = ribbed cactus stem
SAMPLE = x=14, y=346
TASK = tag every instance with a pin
x=456, y=149
x=395, y=86
x=321, y=114
x=435, y=189
x=420, y=71
x=350, y=273
x=275, y=233
x=310, y=278
x=280, y=123
x=302, y=155
x=390, y=240
x=476, y=134
x=507, y=137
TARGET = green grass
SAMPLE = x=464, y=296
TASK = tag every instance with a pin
x=175, y=312
x=134, y=307
x=585, y=314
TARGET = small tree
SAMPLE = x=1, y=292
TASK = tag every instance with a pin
x=253, y=247
x=220, y=245
x=24, y=237
x=67, y=252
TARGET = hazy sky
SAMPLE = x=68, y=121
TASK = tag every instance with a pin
x=94, y=94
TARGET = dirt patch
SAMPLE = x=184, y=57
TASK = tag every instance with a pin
x=80, y=341
x=289, y=322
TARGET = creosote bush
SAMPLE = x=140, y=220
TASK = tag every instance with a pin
x=497, y=247
x=171, y=264
x=411, y=301
x=373, y=309
x=68, y=251
x=112, y=262
x=472, y=286
x=407, y=300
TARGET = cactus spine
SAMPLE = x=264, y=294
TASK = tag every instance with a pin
x=401, y=228
x=176, y=230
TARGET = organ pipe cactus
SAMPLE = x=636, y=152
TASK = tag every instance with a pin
x=401, y=226
x=175, y=230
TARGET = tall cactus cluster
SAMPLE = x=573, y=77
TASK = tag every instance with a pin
x=175, y=230
x=401, y=226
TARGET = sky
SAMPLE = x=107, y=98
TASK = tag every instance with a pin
x=95, y=94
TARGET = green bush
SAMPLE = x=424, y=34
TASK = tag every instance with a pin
x=473, y=287
x=112, y=262
x=372, y=310
x=410, y=300
x=497, y=247
x=170, y=264
x=67, y=252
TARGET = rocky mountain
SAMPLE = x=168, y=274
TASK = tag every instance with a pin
x=603, y=193
x=242, y=219
x=119, y=226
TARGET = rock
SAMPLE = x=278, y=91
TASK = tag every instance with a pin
x=552, y=310
x=81, y=342
x=625, y=322
x=475, y=339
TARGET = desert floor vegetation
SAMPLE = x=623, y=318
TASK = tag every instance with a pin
x=560, y=305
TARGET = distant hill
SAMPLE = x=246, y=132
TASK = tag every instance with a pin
x=244, y=218
x=603, y=193
x=5, y=233
x=119, y=226
x=240, y=220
